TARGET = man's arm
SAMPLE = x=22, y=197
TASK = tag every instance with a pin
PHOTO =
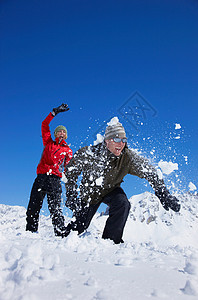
x=141, y=168
x=72, y=172
x=45, y=130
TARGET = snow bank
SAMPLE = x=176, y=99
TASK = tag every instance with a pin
x=158, y=258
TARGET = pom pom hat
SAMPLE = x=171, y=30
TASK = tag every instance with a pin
x=114, y=129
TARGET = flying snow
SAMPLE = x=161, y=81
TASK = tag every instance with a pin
x=99, y=181
x=192, y=187
x=64, y=179
x=167, y=167
x=177, y=126
x=99, y=139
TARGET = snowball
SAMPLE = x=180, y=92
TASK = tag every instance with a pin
x=99, y=139
x=177, y=126
x=192, y=187
x=167, y=167
x=99, y=180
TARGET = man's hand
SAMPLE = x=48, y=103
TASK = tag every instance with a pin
x=63, y=107
x=167, y=200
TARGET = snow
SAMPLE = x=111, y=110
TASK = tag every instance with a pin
x=64, y=179
x=50, y=171
x=167, y=167
x=159, y=259
x=177, y=126
x=192, y=187
x=159, y=173
x=99, y=181
x=177, y=137
x=99, y=139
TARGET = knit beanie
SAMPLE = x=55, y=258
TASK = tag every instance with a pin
x=58, y=128
x=114, y=129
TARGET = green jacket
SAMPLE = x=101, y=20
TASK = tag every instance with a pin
x=102, y=171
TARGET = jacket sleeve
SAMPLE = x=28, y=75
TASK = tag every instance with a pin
x=45, y=130
x=140, y=167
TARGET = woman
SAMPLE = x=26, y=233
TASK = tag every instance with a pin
x=56, y=155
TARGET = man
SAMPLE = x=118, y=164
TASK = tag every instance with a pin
x=103, y=168
x=56, y=155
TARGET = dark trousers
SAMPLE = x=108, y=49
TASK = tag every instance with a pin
x=119, y=208
x=50, y=185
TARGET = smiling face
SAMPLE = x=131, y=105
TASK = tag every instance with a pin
x=61, y=135
x=115, y=148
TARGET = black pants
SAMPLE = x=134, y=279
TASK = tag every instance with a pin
x=50, y=185
x=119, y=208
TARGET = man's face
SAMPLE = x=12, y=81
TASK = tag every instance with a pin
x=115, y=148
x=61, y=135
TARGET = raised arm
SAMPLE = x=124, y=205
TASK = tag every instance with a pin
x=45, y=130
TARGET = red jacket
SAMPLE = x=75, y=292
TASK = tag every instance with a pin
x=55, y=156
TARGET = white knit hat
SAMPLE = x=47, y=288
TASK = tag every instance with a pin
x=114, y=129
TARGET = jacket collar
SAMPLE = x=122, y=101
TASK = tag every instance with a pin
x=62, y=143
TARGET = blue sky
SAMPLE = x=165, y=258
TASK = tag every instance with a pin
x=105, y=59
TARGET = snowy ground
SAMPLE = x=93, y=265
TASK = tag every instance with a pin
x=159, y=259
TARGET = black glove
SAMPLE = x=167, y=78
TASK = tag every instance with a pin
x=63, y=107
x=167, y=200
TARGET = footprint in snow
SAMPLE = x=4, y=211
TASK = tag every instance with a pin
x=189, y=288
